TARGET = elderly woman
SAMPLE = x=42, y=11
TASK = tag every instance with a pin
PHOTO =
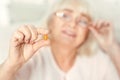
x=71, y=52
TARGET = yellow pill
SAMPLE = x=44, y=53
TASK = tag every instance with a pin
x=45, y=37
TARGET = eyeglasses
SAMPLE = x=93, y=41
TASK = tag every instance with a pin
x=81, y=21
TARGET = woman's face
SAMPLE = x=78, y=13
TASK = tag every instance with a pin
x=69, y=27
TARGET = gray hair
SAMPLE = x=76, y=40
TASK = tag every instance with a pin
x=89, y=46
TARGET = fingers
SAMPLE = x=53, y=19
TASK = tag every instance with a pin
x=26, y=32
x=29, y=34
x=101, y=29
x=100, y=24
x=17, y=38
x=34, y=34
x=40, y=43
x=42, y=31
x=94, y=32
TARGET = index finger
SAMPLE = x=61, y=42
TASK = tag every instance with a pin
x=42, y=31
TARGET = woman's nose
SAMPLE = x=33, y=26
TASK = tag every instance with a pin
x=72, y=24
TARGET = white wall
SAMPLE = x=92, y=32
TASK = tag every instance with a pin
x=102, y=9
x=30, y=1
x=4, y=16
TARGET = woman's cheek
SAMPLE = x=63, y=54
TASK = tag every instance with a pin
x=82, y=35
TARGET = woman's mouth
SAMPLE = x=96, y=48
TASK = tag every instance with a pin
x=69, y=33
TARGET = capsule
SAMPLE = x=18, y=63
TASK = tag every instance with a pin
x=45, y=37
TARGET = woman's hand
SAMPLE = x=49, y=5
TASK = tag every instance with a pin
x=24, y=43
x=103, y=32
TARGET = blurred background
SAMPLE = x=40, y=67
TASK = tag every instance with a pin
x=14, y=13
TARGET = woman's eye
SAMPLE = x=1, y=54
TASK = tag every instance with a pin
x=66, y=17
x=63, y=15
x=83, y=23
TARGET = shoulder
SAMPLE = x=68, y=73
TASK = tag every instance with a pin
x=100, y=58
x=97, y=64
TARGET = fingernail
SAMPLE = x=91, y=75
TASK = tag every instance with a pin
x=26, y=41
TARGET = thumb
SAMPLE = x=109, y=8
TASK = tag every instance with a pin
x=94, y=32
x=40, y=44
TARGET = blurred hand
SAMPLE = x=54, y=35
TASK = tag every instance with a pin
x=103, y=32
x=24, y=43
